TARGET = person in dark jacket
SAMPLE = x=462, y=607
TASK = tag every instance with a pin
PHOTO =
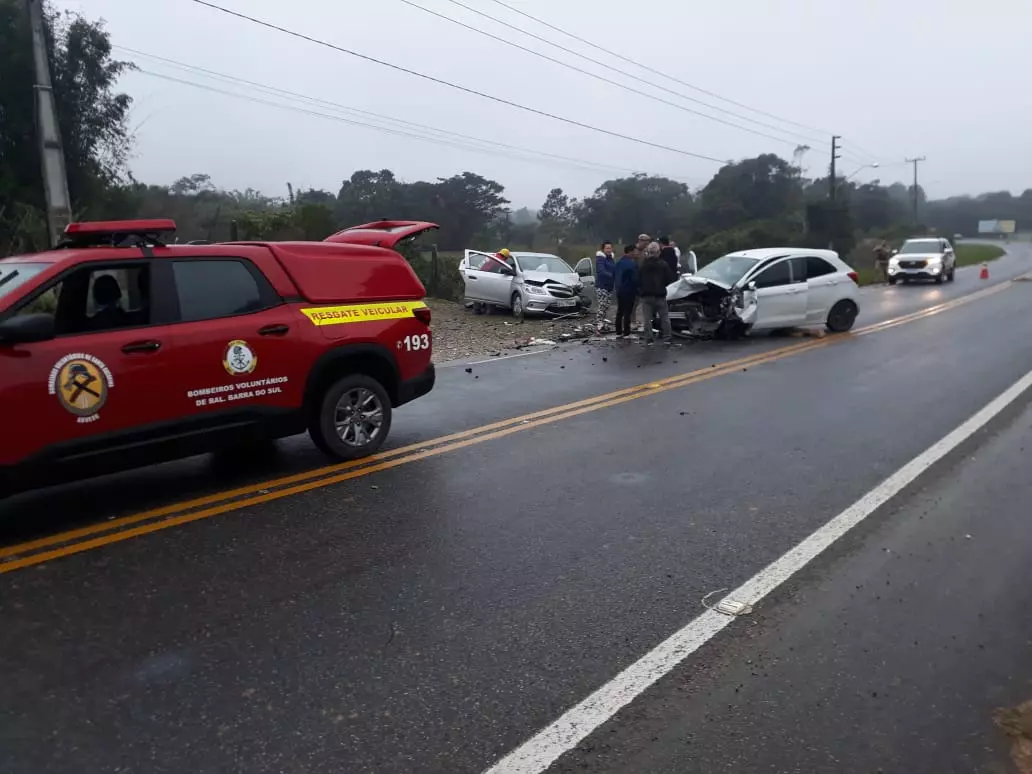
x=605, y=276
x=626, y=287
x=653, y=277
x=668, y=253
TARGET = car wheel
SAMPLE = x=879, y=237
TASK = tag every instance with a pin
x=940, y=279
x=953, y=274
x=892, y=280
x=353, y=418
x=842, y=316
x=517, y=306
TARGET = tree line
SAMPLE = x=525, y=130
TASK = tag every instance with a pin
x=756, y=201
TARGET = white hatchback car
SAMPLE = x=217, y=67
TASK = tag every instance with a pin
x=766, y=289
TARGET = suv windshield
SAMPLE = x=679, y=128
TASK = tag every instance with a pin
x=922, y=247
x=728, y=269
x=14, y=274
x=549, y=263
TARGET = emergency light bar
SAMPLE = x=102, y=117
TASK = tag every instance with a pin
x=118, y=233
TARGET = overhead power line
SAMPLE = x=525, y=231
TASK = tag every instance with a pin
x=603, y=78
x=442, y=136
x=457, y=87
x=623, y=72
x=654, y=71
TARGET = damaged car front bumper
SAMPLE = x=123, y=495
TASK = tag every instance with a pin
x=708, y=309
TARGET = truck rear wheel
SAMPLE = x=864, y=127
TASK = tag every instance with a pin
x=353, y=418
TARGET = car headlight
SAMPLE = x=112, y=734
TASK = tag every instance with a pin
x=536, y=291
x=893, y=261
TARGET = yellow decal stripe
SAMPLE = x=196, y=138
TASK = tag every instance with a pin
x=354, y=313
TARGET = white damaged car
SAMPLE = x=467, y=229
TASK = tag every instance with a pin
x=767, y=289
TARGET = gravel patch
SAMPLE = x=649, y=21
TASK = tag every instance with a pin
x=459, y=334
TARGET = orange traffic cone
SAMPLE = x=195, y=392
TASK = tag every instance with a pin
x=984, y=274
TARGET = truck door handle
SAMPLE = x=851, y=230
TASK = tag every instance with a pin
x=141, y=346
x=273, y=330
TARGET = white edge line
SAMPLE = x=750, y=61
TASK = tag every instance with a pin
x=544, y=748
x=457, y=363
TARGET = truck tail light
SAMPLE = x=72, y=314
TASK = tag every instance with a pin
x=854, y=276
x=422, y=314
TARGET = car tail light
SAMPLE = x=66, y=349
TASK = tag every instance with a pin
x=422, y=314
x=854, y=276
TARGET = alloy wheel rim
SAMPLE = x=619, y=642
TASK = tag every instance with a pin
x=358, y=417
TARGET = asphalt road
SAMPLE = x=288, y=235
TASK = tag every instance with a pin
x=433, y=614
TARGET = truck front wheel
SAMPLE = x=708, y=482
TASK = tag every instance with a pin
x=353, y=418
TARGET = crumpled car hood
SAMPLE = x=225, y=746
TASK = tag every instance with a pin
x=688, y=284
x=539, y=277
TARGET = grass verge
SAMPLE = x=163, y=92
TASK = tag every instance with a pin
x=971, y=255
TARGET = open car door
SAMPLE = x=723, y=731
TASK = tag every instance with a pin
x=383, y=233
x=486, y=278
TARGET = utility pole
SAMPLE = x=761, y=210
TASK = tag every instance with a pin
x=915, y=162
x=55, y=178
x=835, y=147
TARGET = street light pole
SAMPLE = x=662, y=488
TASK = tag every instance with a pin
x=55, y=177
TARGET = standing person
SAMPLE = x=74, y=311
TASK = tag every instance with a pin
x=605, y=276
x=653, y=277
x=668, y=253
x=641, y=245
x=626, y=285
x=881, y=260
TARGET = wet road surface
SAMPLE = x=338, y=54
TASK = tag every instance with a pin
x=432, y=615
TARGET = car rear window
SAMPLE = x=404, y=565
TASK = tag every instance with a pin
x=210, y=289
x=14, y=274
x=818, y=267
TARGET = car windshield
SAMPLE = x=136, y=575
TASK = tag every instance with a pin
x=922, y=247
x=548, y=263
x=14, y=274
x=728, y=269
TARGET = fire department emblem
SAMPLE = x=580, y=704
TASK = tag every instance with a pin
x=81, y=384
x=239, y=358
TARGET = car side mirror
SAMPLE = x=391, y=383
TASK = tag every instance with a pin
x=508, y=271
x=752, y=285
x=894, y=251
x=27, y=329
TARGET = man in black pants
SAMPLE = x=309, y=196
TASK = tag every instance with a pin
x=653, y=277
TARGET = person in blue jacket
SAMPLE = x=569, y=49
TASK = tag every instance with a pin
x=605, y=275
x=625, y=282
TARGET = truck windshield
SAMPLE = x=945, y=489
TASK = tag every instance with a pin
x=14, y=274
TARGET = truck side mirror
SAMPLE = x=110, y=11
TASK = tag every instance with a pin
x=27, y=329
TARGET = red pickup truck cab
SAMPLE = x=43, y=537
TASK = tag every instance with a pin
x=118, y=349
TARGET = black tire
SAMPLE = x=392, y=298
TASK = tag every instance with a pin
x=892, y=280
x=517, y=306
x=842, y=316
x=953, y=274
x=329, y=411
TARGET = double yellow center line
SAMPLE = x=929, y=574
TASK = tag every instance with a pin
x=76, y=541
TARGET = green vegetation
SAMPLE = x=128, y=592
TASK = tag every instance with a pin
x=972, y=255
x=752, y=202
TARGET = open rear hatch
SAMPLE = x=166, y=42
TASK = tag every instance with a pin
x=383, y=233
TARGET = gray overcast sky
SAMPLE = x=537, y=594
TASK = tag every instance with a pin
x=896, y=78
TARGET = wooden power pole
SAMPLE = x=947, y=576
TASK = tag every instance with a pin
x=55, y=177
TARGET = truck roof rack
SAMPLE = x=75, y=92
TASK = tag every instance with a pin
x=118, y=233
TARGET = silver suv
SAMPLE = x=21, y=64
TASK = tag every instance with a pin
x=931, y=258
